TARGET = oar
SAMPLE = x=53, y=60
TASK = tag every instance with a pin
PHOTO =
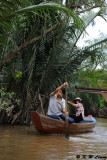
x=66, y=117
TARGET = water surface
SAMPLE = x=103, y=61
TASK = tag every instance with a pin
x=24, y=143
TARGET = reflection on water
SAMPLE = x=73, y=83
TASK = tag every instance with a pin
x=24, y=143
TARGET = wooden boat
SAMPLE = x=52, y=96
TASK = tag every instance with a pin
x=45, y=124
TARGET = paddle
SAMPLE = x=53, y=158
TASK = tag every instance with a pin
x=66, y=117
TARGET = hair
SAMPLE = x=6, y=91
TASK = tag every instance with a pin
x=63, y=90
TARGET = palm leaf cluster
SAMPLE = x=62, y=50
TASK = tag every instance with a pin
x=13, y=13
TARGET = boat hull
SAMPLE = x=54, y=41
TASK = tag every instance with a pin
x=45, y=124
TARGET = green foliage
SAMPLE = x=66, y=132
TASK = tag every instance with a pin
x=98, y=77
x=103, y=103
x=45, y=62
x=18, y=75
x=7, y=98
x=20, y=13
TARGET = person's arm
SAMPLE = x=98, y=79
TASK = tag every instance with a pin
x=73, y=104
x=53, y=93
x=66, y=113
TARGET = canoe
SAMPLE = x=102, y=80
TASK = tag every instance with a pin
x=44, y=124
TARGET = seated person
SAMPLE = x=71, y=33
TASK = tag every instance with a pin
x=79, y=109
x=57, y=104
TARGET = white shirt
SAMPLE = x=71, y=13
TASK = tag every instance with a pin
x=55, y=107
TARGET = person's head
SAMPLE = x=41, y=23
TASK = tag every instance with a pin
x=77, y=100
x=61, y=92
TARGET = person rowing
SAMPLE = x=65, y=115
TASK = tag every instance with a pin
x=56, y=107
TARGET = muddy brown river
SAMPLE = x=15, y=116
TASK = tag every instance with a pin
x=24, y=143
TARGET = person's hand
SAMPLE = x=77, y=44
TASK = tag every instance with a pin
x=65, y=84
x=68, y=102
x=66, y=113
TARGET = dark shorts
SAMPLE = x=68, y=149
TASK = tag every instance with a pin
x=76, y=118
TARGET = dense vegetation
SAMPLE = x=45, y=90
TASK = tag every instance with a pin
x=38, y=46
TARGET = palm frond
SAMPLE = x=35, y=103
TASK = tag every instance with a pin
x=42, y=7
x=98, y=44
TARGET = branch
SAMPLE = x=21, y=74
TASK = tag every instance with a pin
x=98, y=43
x=74, y=6
x=88, y=9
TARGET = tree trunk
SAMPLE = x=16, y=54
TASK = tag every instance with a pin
x=23, y=86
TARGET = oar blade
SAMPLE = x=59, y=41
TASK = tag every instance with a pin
x=66, y=128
